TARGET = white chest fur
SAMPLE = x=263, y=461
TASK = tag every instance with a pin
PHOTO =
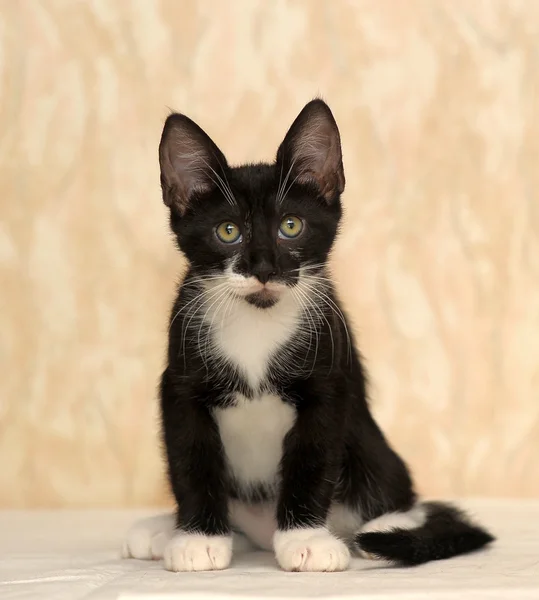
x=249, y=337
x=252, y=432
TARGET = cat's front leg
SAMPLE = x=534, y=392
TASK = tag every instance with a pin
x=302, y=541
x=203, y=539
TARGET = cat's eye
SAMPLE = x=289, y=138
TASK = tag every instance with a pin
x=228, y=233
x=290, y=227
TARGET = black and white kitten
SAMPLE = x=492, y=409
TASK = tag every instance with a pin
x=264, y=408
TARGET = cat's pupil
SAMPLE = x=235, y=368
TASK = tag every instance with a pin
x=229, y=228
x=290, y=223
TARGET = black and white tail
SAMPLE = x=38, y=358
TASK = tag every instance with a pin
x=445, y=532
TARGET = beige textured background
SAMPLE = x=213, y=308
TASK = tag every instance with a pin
x=438, y=263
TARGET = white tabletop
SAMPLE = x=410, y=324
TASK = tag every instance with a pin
x=72, y=555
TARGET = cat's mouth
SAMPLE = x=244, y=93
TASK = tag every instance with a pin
x=256, y=293
x=264, y=298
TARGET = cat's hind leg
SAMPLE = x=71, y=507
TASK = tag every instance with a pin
x=147, y=538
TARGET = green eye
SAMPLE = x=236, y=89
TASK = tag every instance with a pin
x=228, y=233
x=290, y=227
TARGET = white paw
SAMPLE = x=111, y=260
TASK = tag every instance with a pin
x=197, y=552
x=312, y=549
x=148, y=538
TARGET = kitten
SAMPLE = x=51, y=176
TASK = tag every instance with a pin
x=264, y=408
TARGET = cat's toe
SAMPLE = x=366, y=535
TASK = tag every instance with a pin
x=147, y=539
x=196, y=552
x=310, y=550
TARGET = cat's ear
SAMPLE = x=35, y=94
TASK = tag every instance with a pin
x=190, y=162
x=311, y=151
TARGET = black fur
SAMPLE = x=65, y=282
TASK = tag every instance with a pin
x=335, y=451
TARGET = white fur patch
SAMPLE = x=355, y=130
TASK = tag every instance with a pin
x=247, y=336
x=252, y=432
x=310, y=549
x=197, y=552
x=411, y=519
x=148, y=538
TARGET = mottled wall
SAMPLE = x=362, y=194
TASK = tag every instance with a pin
x=438, y=263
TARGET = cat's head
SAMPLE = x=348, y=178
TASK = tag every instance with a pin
x=255, y=229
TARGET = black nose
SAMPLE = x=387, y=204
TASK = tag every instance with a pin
x=263, y=271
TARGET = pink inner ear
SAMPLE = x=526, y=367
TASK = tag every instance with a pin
x=187, y=167
x=325, y=169
x=190, y=162
x=314, y=145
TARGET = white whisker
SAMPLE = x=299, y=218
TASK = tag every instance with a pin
x=280, y=195
x=323, y=316
x=317, y=291
x=194, y=157
x=303, y=300
x=194, y=299
x=206, y=297
x=203, y=319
